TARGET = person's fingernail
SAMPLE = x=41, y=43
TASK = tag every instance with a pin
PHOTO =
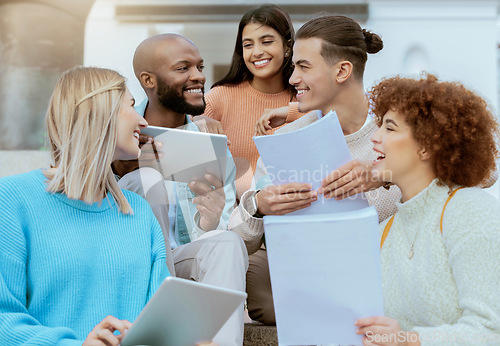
x=320, y=190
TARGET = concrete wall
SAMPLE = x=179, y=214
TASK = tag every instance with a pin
x=457, y=40
x=21, y=161
x=38, y=40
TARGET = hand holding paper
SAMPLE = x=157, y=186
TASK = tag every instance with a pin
x=284, y=199
x=382, y=328
x=309, y=155
x=350, y=179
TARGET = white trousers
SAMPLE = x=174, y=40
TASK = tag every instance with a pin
x=217, y=258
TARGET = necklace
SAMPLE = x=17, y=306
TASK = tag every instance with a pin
x=411, y=252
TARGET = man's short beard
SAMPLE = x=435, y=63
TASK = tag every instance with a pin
x=171, y=99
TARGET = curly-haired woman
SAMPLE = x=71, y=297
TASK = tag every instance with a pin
x=439, y=252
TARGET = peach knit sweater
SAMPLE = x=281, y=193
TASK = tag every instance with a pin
x=238, y=107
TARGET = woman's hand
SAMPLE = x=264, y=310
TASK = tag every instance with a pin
x=270, y=119
x=383, y=330
x=102, y=334
x=210, y=200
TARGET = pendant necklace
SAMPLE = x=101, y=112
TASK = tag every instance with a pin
x=411, y=252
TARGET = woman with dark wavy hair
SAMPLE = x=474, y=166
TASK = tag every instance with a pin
x=257, y=80
x=439, y=252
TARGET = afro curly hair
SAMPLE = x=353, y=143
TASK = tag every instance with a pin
x=451, y=122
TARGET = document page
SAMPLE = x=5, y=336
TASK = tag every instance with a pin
x=325, y=274
x=308, y=155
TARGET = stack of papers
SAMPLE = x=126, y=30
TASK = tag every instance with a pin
x=325, y=274
x=323, y=260
x=308, y=155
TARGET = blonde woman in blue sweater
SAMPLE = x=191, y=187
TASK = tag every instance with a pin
x=440, y=251
x=79, y=258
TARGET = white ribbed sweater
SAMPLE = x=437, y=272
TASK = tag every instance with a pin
x=449, y=292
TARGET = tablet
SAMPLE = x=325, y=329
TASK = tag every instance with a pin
x=183, y=313
x=189, y=155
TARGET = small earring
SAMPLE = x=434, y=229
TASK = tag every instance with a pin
x=286, y=54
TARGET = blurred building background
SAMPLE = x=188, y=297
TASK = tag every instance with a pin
x=455, y=39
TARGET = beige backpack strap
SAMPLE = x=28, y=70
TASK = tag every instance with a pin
x=442, y=213
x=387, y=228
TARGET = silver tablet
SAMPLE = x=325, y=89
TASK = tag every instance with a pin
x=183, y=313
x=189, y=155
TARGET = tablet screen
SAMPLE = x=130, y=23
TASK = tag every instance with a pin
x=183, y=312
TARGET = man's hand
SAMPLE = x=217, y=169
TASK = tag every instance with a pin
x=210, y=201
x=383, y=330
x=352, y=178
x=270, y=119
x=150, y=153
x=283, y=199
x=102, y=334
x=206, y=124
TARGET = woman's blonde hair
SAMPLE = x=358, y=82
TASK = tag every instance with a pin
x=81, y=124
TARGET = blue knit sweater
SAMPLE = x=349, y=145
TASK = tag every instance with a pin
x=65, y=264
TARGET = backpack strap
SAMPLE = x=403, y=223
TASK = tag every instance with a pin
x=442, y=213
x=388, y=226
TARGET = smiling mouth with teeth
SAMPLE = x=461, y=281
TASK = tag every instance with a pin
x=261, y=62
x=380, y=157
x=194, y=91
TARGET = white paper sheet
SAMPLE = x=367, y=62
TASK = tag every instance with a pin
x=308, y=155
x=325, y=274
